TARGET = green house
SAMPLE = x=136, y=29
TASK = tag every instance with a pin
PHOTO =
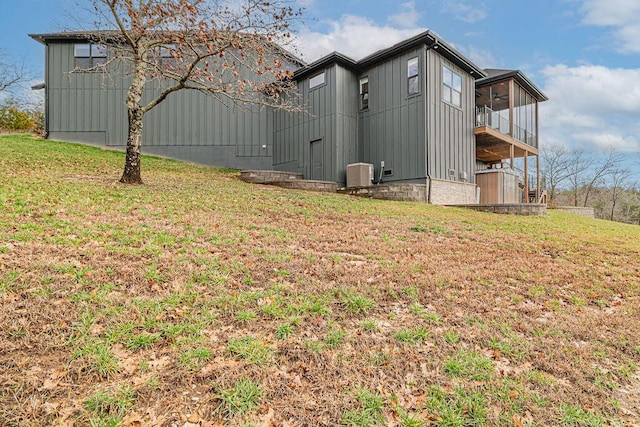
x=419, y=112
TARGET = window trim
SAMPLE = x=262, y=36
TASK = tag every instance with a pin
x=312, y=85
x=413, y=76
x=364, y=96
x=448, y=87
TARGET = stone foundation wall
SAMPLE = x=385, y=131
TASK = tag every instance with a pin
x=397, y=192
x=532, y=209
x=442, y=192
x=309, y=185
x=452, y=192
x=268, y=176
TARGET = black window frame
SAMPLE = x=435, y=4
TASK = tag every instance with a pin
x=364, y=93
x=449, y=87
x=413, y=76
x=163, y=55
x=91, y=60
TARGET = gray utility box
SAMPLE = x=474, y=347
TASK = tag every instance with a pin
x=359, y=175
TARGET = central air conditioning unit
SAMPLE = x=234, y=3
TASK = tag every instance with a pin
x=359, y=175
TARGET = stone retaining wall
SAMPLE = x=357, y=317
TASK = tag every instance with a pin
x=442, y=192
x=397, y=192
x=588, y=212
x=309, y=185
x=445, y=192
x=268, y=177
x=532, y=209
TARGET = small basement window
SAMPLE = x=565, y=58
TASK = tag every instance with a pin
x=316, y=80
x=89, y=55
x=364, y=93
x=413, y=78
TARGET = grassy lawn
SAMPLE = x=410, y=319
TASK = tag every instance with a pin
x=198, y=299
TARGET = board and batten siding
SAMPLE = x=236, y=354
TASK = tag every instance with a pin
x=392, y=129
x=330, y=117
x=90, y=107
x=451, y=141
x=347, y=104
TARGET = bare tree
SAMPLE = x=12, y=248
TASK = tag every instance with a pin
x=11, y=73
x=630, y=206
x=577, y=163
x=611, y=162
x=231, y=51
x=556, y=169
x=619, y=177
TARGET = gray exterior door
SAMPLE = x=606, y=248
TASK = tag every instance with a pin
x=317, y=160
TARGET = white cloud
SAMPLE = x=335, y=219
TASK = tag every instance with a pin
x=407, y=17
x=483, y=58
x=353, y=36
x=622, y=15
x=306, y=3
x=464, y=10
x=591, y=107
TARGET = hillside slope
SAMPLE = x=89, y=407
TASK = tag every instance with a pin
x=198, y=299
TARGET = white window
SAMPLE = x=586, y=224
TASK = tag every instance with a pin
x=364, y=93
x=451, y=87
x=89, y=55
x=413, y=77
x=316, y=80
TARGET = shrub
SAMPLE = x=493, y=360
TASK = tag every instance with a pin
x=13, y=118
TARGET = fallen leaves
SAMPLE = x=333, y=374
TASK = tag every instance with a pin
x=222, y=250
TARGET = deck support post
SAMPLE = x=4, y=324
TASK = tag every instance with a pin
x=538, y=192
x=512, y=155
x=526, y=176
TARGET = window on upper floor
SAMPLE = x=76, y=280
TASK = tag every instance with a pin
x=316, y=80
x=413, y=76
x=89, y=55
x=364, y=93
x=451, y=87
x=163, y=55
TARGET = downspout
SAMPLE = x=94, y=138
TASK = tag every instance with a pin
x=46, y=91
x=426, y=121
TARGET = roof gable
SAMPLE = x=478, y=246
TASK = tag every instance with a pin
x=427, y=39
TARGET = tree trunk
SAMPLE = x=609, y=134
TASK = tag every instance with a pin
x=135, y=113
x=132, y=173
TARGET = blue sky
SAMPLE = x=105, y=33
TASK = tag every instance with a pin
x=585, y=54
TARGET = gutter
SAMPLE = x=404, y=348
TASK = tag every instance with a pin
x=46, y=91
x=426, y=130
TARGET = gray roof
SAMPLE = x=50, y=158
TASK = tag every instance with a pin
x=432, y=40
x=75, y=36
x=495, y=75
x=427, y=38
x=332, y=58
x=115, y=36
x=495, y=72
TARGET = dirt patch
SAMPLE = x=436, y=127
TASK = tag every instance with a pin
x=628, y=398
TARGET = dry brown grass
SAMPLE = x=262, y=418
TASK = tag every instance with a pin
x=147, y=305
